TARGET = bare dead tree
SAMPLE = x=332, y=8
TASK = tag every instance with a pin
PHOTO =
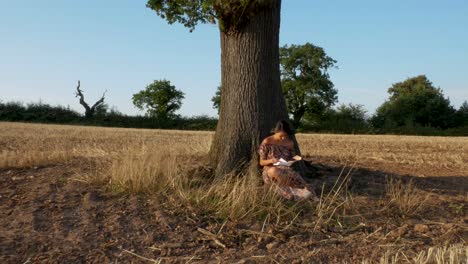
x=89, y=111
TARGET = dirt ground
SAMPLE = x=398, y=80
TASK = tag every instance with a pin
x=48, y=215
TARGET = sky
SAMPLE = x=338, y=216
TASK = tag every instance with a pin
x=121, y=46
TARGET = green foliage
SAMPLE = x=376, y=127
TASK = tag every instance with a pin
x=160, y=99
x=344, y=119
x=12, y=111
x=44, y=113
x=306, y=84
x=187, y=12
x=462, y=114
x=349, y=119
x=415, y=102
x=216, y=99
x=116, y=119
x=202, y=122
x=352, y=112
x=231, y=15
x=36, y=112
x=101, y=110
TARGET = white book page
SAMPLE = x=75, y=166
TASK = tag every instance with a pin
x=283, y=162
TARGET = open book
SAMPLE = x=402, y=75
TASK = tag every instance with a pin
x=283, y=162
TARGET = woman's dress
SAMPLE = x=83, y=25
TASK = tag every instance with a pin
x=291, y=184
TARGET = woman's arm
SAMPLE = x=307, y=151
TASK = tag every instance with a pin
x=267, y=162
x=263, y=154
x=293, y=152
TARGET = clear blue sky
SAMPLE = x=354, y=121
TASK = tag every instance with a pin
x=122, y=46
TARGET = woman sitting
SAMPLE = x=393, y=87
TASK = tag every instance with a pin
x=283, y=179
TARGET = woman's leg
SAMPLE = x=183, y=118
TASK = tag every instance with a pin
x=275, y=174
x=274, y=180
x=288, y=178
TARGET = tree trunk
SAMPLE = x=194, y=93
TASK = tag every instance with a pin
x=251, y=97
x=89, y=113
x=297, y=116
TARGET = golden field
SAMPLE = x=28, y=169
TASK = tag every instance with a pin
x=33, y=145
x=405, y=194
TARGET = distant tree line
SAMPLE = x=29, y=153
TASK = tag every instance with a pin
x=415, y=105
x=46, y=113
x=160, y=100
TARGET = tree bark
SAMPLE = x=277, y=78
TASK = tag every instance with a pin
x=251, y=98
x=89, y=111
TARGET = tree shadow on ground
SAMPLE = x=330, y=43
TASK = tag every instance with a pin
x=364, y=181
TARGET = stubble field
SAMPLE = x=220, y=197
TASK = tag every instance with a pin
x=72, y=194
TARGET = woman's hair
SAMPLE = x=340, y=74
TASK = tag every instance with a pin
x=284, y=126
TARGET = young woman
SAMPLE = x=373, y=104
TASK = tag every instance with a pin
x=284, y=180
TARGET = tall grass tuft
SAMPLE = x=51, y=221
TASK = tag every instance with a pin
x=165, y=173
x=243, y=196
x=406, y=198
x=334, y=200
x=151, y=172
x=453, y=254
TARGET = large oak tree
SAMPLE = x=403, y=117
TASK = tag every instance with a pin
x=251, y=99
x=306, y=85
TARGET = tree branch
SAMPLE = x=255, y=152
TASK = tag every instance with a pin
x=79, y=93
x=99, y=102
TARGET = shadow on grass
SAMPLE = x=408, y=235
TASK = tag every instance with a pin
x=364, y=181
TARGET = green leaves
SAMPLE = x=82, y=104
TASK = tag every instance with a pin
x=160, y=99
x=462, y=114
x=306, y=85
x=415, y=101
x=187, y=12
x=216, y=99
x=231, y=15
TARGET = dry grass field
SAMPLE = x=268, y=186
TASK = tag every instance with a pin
x=86, y=194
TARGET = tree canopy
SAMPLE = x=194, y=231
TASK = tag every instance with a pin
x=354, y=112
x=462, y=114
x=230, y=15
x=160, y=99
x=305, y=81
x=346, y=118
x=415, y=101
x=216, y=99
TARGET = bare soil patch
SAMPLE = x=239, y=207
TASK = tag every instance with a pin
x=48, y=216
x=403, y=196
